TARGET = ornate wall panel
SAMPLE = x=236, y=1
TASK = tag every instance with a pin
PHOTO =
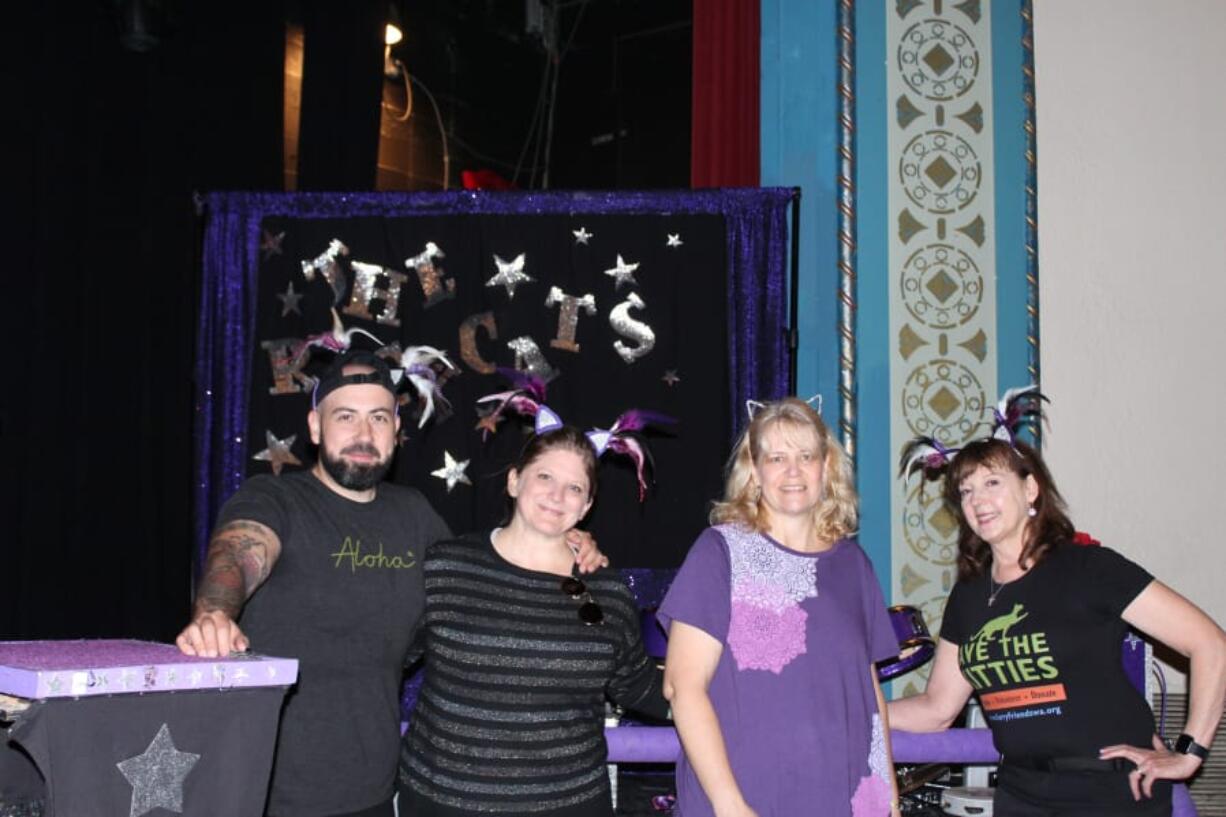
x=941, y=265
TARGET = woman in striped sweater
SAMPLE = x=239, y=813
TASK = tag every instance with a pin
x=521, y=655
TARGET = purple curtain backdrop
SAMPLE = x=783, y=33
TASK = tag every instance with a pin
x=757, y=246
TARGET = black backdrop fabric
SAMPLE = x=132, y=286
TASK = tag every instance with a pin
x=104, y=149
x=683, y=291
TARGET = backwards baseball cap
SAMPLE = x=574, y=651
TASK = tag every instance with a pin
x=334, y=377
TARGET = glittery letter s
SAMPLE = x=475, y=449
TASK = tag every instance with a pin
x=628, y=327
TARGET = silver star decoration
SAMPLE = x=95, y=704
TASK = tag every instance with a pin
x=670, y=377
x=510, y=275
x=270, y=244
x=289, y=300
x=674, y=240
x=278, y=452
x=581, y=235
x=452, y=471
x=623, y=273
x=157, y=775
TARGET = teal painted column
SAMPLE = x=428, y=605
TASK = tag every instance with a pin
x=798, y=150
x=799, y=143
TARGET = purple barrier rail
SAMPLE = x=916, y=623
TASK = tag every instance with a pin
x=659, y=744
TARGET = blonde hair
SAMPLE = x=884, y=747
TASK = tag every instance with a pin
x=834, y=517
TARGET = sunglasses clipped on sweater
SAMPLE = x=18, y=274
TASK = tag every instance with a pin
x=589, y=611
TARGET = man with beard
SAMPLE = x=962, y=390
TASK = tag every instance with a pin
x=324, y=566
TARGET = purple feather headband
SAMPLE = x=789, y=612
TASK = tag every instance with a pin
x=527, y=398
x=929, y=454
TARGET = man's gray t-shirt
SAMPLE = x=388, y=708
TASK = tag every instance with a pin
x=344, y=598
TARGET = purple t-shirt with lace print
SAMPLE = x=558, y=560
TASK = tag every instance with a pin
x=792, y=690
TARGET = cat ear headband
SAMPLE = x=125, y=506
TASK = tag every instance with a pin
x=416, y=369
x=619, y=439
x=752, y=407
x=528, y=399
x=1016, y=406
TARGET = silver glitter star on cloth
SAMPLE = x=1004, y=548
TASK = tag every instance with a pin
x=452, y=472
x=157, y=775
x=581, y=235
x=278, y=453
x=270, y=244
x=674, y=240
x=670, y=377
x=623, y=273
x=289, y=300
x=510, y=275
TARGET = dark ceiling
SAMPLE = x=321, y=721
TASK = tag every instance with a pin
x=621, y=109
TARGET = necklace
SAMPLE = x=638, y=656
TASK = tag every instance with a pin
x=994, y=588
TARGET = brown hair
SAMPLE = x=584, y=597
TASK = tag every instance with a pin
x=1049, y=528
x=567, y=438
x=834, y=517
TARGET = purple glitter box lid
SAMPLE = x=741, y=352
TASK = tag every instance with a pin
x=73, y=669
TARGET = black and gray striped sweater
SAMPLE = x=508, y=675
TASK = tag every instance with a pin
x=510, y=718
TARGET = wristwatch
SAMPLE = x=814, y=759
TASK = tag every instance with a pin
x=1184, y=745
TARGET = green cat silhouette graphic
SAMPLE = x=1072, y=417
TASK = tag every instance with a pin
x=997, y=628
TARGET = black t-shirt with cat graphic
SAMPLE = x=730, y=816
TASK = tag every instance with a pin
x=1045, y=656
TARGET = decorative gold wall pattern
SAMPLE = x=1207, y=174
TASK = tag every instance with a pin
x=941, y=265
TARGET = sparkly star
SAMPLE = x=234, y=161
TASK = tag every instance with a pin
x=278, y=452
x=452, y=471
x=670, y=377
x=289, y=300
x=623, y=273
x=674, y=240
x=488, y=424
x=581, y=235
x=157, y=775
x=510, y=275
x=270, y=244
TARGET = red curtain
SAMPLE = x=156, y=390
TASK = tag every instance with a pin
x=724, y=126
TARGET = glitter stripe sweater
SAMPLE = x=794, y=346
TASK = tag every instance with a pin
x=510, y=719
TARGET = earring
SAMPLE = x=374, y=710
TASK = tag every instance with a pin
x=1032, y=512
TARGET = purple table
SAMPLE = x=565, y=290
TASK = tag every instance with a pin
x=131, y=727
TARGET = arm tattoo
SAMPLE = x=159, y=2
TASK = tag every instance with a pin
x=237, y=564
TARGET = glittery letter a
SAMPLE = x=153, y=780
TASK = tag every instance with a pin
x=528, y=358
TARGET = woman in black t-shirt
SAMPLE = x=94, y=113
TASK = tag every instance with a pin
x=1034, y=627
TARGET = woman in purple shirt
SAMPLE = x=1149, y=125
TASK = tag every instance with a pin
x=775, y=622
